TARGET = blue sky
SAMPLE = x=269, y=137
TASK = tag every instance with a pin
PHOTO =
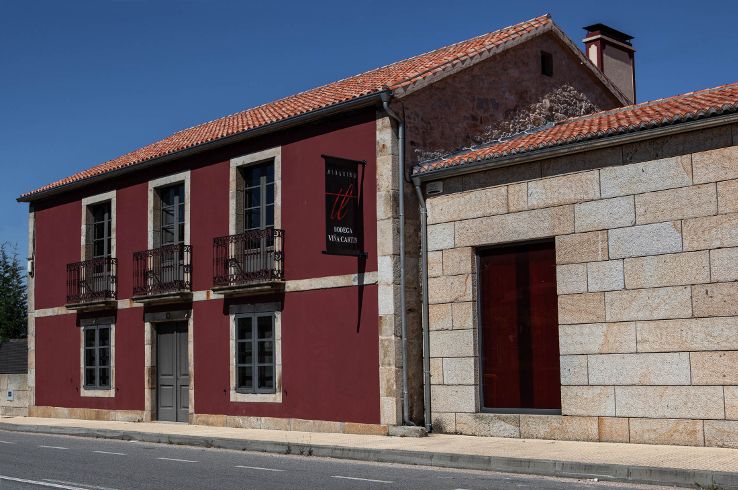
x=85, y=81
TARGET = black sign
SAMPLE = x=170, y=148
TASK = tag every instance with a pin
x=343, y=207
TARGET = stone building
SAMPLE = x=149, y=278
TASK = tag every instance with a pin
x=582, y=278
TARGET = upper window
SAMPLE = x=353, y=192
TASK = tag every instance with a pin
x=97, y=357
x=172, y=214
x=519, y=328
x=547, y=64
x=255, y=356
x=99, y=234
x=255, y=206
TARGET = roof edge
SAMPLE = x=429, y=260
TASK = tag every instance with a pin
x=346, y=106
x=576, y=147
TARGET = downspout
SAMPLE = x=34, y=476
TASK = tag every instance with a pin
x=401, y=198
x=424, y=305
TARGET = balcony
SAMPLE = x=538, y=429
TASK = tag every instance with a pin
x=249, y=263
x=91, y=284
x=163, y=274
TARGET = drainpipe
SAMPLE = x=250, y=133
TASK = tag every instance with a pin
x=424, y=305
x=400, y=186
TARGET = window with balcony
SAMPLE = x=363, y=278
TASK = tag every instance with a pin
x=93, y=280
x=253, y=255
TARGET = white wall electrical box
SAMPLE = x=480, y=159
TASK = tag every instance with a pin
x=9, y=396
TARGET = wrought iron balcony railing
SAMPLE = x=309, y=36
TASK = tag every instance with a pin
x=252, y=258
x=161, y=271
x=91, y=281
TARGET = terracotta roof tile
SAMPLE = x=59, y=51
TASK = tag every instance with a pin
x=394, y=76
x=661, y=112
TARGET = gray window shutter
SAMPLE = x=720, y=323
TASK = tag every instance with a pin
x=240, y=200
x=89, y=233
x=156, y=222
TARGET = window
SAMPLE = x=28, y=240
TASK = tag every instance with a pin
x=547, y=64
x=172, y=215
x=255, y=206
x=99, y=236
x=255, y=353
x=97, y=357
x=519, y=328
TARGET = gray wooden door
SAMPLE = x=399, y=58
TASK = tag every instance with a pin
x=173, y=372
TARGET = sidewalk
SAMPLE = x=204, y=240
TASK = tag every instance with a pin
x=664, y=465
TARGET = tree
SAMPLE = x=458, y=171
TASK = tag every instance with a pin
x=13, y=295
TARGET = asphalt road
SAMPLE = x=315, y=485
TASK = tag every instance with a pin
x=47, y=461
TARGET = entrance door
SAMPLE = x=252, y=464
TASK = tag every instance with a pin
x=173, y=372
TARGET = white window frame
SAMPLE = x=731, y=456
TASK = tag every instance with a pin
x=272, y=154
x=97, y=392
x=154, y=185
x=245, y=309
x=91, y=201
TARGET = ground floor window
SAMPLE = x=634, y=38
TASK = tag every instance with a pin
x=519, y=343
x=97, y=357
x=255, y=353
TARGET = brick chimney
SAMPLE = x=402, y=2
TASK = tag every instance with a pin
x=611, y=51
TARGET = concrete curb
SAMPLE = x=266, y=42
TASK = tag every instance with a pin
x=568, y=469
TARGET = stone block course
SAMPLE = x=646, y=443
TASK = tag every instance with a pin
x=674, y=204
x=435, y=263
x=582, y=247
x=692, y=334
x=454, y=398
x=517, y=197
x=588, y=400
x=727, y=196
x=603, y=214
x=653, y=175
x=710, y=232
x=679, y=432
x=581, y=308
x=613, y=429
x=488, y=424
x=573, y=370
x=440, y=236
x=559, y=427
x=724, y=264
x=458, y=261
x=715, y=368
x=653, y=239
x=463, y=315
x=597, y=338
x=731, y=402
x=452, y=343
x=458, y=371
x=679, y=402
x=525, y=225
x=448, y=289
x=639, y=369
x=648, y=304
x=564, y=189
x=721, y=433
x=667, y=270
x=718, y=299
x=571, y=278
x=715, y=165
x=605, y=276
x=466, y=205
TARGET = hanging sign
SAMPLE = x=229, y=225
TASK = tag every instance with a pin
x=343, y=206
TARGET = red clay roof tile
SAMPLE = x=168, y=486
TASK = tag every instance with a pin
x=391, y=77
x=661, y=112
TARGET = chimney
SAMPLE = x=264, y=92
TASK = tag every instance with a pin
x=611, y=51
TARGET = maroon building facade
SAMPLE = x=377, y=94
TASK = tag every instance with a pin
x=190, y=281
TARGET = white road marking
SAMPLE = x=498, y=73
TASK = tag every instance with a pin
x=40, y=483
x=84, y=485
x=54, y=447
x=6, y=442
x=257, y=468
x=180, y=460
x=108, y=452
x=360, y=479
